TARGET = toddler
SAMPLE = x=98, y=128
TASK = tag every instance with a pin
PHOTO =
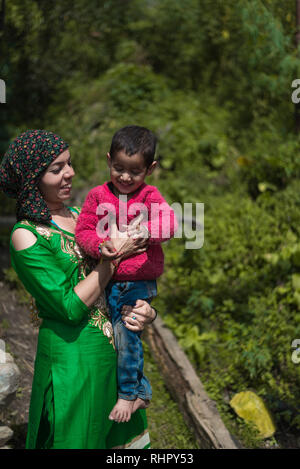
x=130, y=159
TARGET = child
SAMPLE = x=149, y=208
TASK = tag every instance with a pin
x=131, y=159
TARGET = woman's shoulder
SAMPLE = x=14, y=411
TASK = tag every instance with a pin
x=23, y=225
x=23, y=238
x=23, y=235
x=26, y=233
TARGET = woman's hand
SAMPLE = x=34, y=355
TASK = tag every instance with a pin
x=138, y=316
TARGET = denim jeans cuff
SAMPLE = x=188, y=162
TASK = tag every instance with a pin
x=127, y=397
x=145, y=396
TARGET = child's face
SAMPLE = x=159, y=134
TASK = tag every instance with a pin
x=128, y=173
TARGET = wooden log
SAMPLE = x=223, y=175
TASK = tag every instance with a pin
x=199, y=411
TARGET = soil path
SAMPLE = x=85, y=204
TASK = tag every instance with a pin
x=20, y=339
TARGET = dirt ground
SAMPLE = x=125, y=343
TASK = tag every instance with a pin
x=20, y=339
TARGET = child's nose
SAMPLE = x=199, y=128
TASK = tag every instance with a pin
x=126, y=177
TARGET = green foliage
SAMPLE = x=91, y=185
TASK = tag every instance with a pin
x=271, y=162
x=163, y=413
x=130, y=93
x=235, y=308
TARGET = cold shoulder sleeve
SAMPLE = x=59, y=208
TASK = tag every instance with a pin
x=50, y=278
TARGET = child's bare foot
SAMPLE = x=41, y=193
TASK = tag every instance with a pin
x=140, y=404
x=122, y=411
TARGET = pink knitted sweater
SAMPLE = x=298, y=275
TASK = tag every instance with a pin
x=159, y=218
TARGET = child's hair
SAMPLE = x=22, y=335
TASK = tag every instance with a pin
x=134, y=139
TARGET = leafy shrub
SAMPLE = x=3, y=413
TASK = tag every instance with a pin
x=234, y=304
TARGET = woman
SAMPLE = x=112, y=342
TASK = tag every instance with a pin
x=74, y=385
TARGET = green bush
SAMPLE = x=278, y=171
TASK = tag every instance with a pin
x=235, y=304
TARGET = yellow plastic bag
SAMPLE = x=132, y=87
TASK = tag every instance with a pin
x=252, y=408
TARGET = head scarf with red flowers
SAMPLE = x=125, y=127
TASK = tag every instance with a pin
x=26, y=159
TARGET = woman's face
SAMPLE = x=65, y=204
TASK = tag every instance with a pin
x=56, y=183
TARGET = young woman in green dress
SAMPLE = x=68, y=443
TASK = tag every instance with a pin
x=74, y=386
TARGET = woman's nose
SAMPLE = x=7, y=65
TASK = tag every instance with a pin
x=69, y=172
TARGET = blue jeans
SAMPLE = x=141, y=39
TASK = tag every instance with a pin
x=131, y=380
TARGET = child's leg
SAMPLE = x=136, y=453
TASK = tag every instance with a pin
x=125, y=341
x=131, y=362
x=123, y=408
x=125, y=345
x=132, y=384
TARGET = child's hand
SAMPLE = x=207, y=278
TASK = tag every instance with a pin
x=108, y=251
x=136, y=230
x=125, y=245
x=140, y=231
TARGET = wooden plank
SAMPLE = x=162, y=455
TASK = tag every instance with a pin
x=199, y=411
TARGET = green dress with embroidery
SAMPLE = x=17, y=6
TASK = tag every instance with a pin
x=74, y=386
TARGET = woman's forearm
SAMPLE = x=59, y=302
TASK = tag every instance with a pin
x=93, y=285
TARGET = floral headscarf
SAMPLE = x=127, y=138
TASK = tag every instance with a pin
x=27, y=158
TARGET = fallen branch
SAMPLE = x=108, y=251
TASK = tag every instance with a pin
x=199, y=411
x=28, y=366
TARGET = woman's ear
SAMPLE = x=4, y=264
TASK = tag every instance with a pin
x=108, y=159
x=151, y=168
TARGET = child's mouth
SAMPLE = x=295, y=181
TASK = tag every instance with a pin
x=125, y=186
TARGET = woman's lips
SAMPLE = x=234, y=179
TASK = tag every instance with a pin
x=67, y=187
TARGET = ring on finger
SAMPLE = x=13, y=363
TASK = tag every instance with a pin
x=134, y=318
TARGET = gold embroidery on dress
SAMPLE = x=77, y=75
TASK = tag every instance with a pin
x=107, y=329
x=98, y=319
x=68, y=247
x=25, y=222
x=43, y=231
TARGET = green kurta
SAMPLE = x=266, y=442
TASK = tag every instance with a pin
x=74, y=386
